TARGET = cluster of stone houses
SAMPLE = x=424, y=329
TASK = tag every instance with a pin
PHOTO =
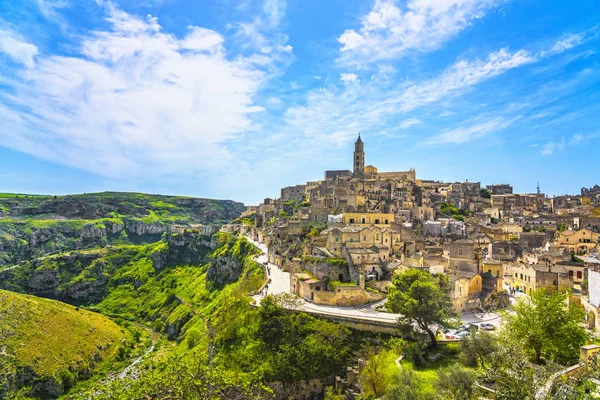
x=344, y=237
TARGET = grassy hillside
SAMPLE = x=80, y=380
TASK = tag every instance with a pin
x=33, y=226
x=47, y=345
x=92, y=206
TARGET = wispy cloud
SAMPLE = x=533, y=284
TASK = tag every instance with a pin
x=17, y=48
x=462, y=75
x=577, y=139
x=135, y=100
x=407, y=123
x=470, y=132
x=345, y=77
x=388, y=31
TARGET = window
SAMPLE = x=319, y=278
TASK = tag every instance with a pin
x=376, y=221
x=337, y=239
x=363, y=220
x=570, y=273
x=365, y=238
x=521, y=276
x=386, y=221
x=351, y=220
x=579, y=275
x=376, y=237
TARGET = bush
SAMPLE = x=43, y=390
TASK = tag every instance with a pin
x=192, y=337
x=158, y=325
x=415, y=353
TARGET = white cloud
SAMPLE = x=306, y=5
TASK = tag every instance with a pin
x=551, y=147
x=568, y=42
x=577, y=139
x=346, y=77
x=407, y=123
x=274, y=10
x=136, y=101
x=460, y=76
x=387, y=31
x=468, y=133
x=17, y=48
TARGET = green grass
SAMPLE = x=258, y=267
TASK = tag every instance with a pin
x=55, y=340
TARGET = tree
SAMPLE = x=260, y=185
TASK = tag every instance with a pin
x=514, y=376
x=477, y=350
x=192, y=337
x=456, y=383
x=546, y=326
x=372, y=378
x=562, y=227
x=273, y=318
x=485, y=193
x=406, y=387
x=422, y=300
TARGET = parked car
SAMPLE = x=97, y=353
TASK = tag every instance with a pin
x=463, y=334
x=487, y=326
x=468, y=327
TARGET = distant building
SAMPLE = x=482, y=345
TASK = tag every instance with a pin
x=337, y=173
x=503, y=188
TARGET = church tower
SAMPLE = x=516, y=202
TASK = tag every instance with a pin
x=359, y=159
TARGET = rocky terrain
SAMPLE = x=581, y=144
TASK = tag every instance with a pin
x=34, y=226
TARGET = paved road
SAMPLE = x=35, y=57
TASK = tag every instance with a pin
x=280, y=283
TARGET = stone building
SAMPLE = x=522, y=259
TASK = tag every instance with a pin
x=580, y=242
x=359, y=159
x=502, y=188
x=527, y=278
x=293, y=193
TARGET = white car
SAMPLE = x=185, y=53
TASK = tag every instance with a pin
x=463, y=334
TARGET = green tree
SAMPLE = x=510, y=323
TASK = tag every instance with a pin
x=456, y=383
x=477, y=349
x=372, y=378
x=485, y=193
x=422, y=300
x=514, y=376
x=272, y=321
x=406, y=386
x=177, y=378
x=546, y=326
x=562, y=227
x=192, y=337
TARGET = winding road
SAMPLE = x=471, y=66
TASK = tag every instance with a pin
x=280, y=283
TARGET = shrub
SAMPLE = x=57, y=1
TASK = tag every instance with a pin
x=192, y=337
x=415, y=352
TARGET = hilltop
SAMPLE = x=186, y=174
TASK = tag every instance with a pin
x=46, y=346
x=91, y=206
x=32, y=226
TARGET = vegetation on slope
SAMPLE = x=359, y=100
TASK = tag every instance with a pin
x=46, y=346
x=33, y=226
x=90, y=206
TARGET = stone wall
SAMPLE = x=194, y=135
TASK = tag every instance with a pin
x=594, y=287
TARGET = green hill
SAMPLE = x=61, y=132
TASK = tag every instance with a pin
x=33, y=226
x=46, y=346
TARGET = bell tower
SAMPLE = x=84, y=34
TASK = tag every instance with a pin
x=359, y=159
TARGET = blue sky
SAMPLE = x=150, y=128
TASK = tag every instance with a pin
x=235, y=99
